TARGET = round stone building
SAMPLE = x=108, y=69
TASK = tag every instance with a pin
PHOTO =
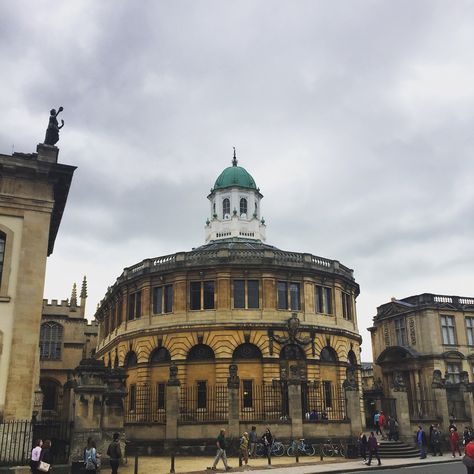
x=235, y=333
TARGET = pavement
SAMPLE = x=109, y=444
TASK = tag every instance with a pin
x=283, y=465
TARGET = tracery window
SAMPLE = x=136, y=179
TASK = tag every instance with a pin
x=225, y=207
x=243, y=206
x=51, y=339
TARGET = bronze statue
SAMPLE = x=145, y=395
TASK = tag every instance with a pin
x=52, y=133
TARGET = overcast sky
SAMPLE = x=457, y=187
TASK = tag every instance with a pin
x=355, y=119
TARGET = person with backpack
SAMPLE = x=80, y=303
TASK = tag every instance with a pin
x=115, y=453
x=244, y=448
x=90, y=457
x=373, y=449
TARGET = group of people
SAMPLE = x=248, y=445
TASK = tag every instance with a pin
x=369, y=445
x=247, y=446
x=387, y=427
x=42, y=457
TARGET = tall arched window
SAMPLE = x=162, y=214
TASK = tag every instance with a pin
x=243, y=206
x=351, y=358
x=225, y=207
x=3, y=239
x=160, y=355
x=247, y=351
x=51, y=339
x=200, y=352
x=328, y=354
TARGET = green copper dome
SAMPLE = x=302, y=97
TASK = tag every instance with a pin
x=235, y=176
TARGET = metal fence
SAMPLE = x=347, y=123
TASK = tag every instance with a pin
x=323, y=402
x=17, y=439
x=423, y=409
x=264, y=402
x=145, y=404
x=203, y=403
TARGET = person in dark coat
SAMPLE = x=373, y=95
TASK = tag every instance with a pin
x=373, y=448
x=422, y=442
x=436, y=441
x=362, y=441
x=267, y=439
x=46, y=454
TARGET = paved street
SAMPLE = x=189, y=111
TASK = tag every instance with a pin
x=451, y=468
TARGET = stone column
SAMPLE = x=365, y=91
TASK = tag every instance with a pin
x=233, y=386
x=173, y=394
x=442, y=408
x=353, y=402
x=295, y=408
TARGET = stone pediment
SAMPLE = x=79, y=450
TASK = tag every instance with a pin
x=393, y=308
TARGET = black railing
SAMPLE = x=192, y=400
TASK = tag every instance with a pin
x=266, y=402
x=17, y=439
x=423, y=409
x=146, y=404
x=203, y=403
x=323, y=402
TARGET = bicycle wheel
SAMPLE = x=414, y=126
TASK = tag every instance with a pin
x=260, y=450
x=309, y=450
x=278, y=449
x=327, y=450
x=342, y=452
x=291, y=451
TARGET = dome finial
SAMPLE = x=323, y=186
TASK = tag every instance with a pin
x=234, y=160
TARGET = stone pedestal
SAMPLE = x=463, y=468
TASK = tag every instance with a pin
x=233, y=387
x=47, y=153
x=403, y=414
x=442, y=408
x=353, y=411
x=173, y=393
x=295, y=409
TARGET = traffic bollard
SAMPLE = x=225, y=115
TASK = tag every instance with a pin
x=135, y=470
x=172, y=471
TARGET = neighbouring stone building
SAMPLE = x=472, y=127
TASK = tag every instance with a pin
x=235, y=332
x=33, y=193
x=423, y=349
x=66, y=337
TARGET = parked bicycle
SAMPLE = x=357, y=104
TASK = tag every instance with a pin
x=333, y=449
x=300, y=447
x=277, y=449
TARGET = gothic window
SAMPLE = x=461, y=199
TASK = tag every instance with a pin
x=200, y=352
x=323, y=298
x=225, y=207
x=243, y=206
x=247, y=351
x=130, y=360
x=159, y=355
x=201, y=295
x=328, y=354
x=51, y=339
x=3, y=239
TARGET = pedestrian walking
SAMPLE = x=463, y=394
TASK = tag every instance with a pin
x=253, y=442
x=221, y=447
x=468, y=459
x=436, y=441
x=382, y=423
x=244, y=447
x=454, y=442
x=422, y=441
x=466, y=435
x=373, y=448
x=46, y=457
x=392, y=429
x=115, y=453
x=362, y=441
x=90, y=457
x=376, y=422
x=267, y=439
x=36, y=456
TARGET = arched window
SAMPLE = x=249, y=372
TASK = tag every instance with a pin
x=3, y=240
x=351, y=358
x=116, y=361
x=225, y=207
x=50, y=389
x=130, y=360
x=328, y=354
x=247, y=351
x=160, y=354
x=243, y=206
x=292, y=352
x=200, y=352
x=51, y=339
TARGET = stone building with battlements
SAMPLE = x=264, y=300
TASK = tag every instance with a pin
x=235, y=333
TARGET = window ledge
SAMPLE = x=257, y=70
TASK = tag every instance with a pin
x=5, y=299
